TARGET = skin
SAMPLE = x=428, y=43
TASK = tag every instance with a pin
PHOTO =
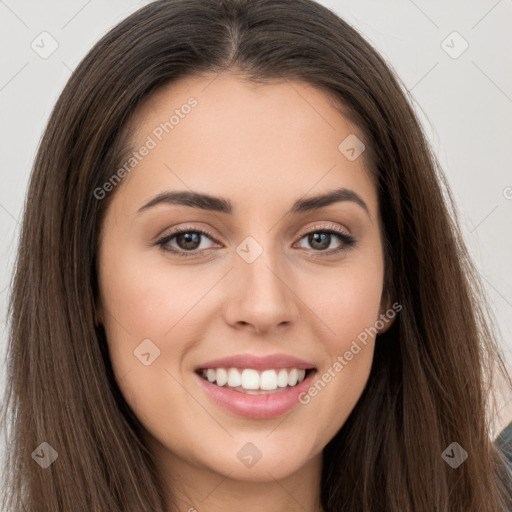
x=262, y=147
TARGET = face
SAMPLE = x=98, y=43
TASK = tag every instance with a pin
x=262, y=287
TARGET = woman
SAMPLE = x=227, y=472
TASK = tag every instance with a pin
x=239, y=285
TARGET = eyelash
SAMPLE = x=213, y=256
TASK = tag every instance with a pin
x=347, y=240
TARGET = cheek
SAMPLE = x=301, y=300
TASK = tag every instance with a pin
x=148, y=332
x=353, y=311
x=348, y=303
x=349, y=318
x=348, y=308
x=144, y=308
x=145, y=300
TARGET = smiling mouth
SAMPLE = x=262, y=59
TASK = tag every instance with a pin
x=255, y=382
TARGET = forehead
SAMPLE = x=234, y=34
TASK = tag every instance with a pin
x=219, y=132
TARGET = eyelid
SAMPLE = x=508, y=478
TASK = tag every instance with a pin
x=185, y=229
x=305, y=231
x=347, y=239
x=324, y=227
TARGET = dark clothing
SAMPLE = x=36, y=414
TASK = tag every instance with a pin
x=504, y=443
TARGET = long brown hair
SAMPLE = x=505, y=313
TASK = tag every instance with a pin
x=432, y=371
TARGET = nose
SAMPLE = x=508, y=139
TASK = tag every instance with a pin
x=262, y=298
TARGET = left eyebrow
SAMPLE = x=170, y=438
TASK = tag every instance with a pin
x=219, y=204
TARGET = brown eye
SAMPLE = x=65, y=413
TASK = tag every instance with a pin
x=320, y=240
x=187, y=241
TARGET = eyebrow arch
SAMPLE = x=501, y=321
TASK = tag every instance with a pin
x=218, y=204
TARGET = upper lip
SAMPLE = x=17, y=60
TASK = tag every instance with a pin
x=258, y=362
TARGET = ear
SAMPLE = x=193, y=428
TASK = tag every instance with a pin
x=387, y=313
x=98, y=314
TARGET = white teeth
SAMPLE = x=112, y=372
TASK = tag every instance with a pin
x=250, y=379
x=268, y=380
x=221, y=376
x=282, y=378
x=234, y=378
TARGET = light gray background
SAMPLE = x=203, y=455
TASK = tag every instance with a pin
x=464, y=103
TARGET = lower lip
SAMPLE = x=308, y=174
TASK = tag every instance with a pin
x=257, y=406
